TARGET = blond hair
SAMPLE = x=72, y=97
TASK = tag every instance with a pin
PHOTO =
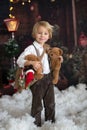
x=44, y=24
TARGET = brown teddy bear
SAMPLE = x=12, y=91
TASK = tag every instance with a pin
x=54, y=54
x=38, y=74
x=19, y=83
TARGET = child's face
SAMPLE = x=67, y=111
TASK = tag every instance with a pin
x=42, y=35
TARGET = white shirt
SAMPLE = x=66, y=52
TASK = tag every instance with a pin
x=31, y=50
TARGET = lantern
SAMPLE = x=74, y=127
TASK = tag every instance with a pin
x=12, y=25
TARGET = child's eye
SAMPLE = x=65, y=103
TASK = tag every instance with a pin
x=43, y=33
x=39, y=33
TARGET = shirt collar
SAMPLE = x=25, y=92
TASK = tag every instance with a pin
x=37, y=45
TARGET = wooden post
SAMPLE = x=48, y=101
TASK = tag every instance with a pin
x=74, y=22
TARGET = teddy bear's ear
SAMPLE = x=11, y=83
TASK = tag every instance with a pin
x=49, y=51
x=47, y=48
x=60, y=51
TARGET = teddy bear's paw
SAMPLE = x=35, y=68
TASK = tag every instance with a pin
x=55, y=81
x=39, y=76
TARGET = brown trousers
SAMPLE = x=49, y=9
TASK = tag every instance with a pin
x=43, y=90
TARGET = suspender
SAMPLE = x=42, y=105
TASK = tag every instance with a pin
x=41, y=56
x=38, y=54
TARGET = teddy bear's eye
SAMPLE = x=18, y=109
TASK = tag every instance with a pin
x=51, y=54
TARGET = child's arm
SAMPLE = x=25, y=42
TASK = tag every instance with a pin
x=21, y=60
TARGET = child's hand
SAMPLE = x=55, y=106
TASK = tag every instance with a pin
x=36, y=65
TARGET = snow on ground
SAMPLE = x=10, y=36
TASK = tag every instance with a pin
x=71, y=110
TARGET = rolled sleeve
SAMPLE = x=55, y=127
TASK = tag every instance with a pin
x=21, y=59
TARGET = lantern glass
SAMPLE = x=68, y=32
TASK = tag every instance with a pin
x=11, y=24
